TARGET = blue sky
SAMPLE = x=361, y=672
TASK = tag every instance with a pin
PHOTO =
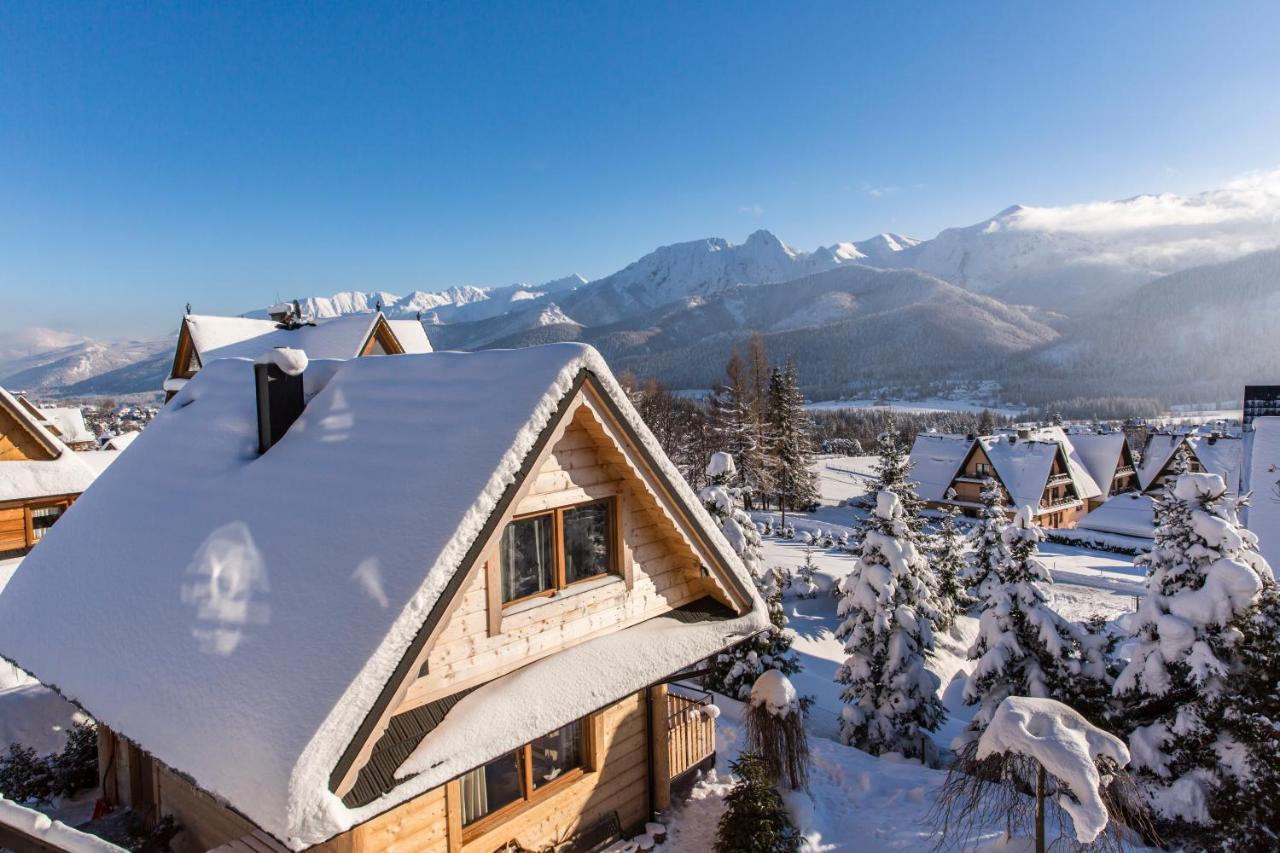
x=154, y=154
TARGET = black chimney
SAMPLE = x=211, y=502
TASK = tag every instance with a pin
x=280, y=402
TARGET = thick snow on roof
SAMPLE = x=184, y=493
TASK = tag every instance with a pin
x=277, y=593
x=1156, y=452
x=935, y=459
x=1129, y=514
x=121, y=441
x=1099, y=453
x=242, y=337
x=70, y=422
x=549, y=693
x=1221, y=455
x=1264, y=480
x=1023, y=466
x=57, y=835
x=1087, y=486
x=21, y=479
x=411, y=335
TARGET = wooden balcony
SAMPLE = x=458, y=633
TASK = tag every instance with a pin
x=1058, y=480
x=691, y=731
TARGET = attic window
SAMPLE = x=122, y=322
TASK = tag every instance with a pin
x=552, y=550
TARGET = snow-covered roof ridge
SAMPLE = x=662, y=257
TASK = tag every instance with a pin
x=935, y=460
x=1023, y=466
x=359, y=516
x=29, y=422
x=1100, y=453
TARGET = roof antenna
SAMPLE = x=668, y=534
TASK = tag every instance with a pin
x=419, y=316
x=378, y=308
x=188, y=307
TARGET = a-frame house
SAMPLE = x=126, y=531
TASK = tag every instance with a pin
x=437, y=607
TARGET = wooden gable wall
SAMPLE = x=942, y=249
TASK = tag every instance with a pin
x=17, y=443
x=480, y=641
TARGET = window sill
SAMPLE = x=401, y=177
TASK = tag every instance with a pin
x=579, y=588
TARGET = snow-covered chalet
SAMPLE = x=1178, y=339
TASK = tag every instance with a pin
x=420, y=602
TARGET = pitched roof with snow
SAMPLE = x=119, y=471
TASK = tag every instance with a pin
x=243, y=337
x=1158, y=450
x=24, y=479
x=1263, y=480
x=1087, y=486
x=1128, y=514
x=280, y=592
x=70, y=423
x=1100, y=454
x=1023, y=466
x=1218, y=454
x=411, y=335
x=935, y=460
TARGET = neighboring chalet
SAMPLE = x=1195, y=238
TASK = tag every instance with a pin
x=1212, y=452
x=203, y=338
x=40, y=476
x=1109, y=460
x=1037, y=468
x=66, y=423
x=426, y=602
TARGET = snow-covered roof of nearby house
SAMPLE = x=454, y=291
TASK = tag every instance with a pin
x=243, y=337
x=1263, y=479
x=1099, y=453
x=121, y=441
x=70, y=423
x=1219, y=454
x=1023, y=466
x=1128, y=514
x=1087, y=486
x=279, y=592
x=411, y=335
x=23, y=479
x=935, y=459
x=1158, y=450
x=53, y=833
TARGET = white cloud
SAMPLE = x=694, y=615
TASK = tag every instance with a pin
x=1248, y=207
x=880, y=190
x=756, y=209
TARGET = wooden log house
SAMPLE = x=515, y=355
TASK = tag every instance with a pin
x=442, y=609
x=40, y=477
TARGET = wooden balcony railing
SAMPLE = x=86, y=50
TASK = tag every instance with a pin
x=1059, y=479
x=691, y=731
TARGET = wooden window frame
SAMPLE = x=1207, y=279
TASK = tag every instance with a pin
x=559, y=584
x=531, y=796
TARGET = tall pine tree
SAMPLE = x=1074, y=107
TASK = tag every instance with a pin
x=1204, y=575
x=892, y=472
x=791, y=438
x=947, y=558
x=888, y=615
x=733, y=424
x=989, y=548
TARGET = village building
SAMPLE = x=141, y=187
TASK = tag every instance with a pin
x=1109, y=460
x=40, y=476
x=203, y=338
x=1036, y=468
x=1211, y=452
x=426, y=602
x=66, y=423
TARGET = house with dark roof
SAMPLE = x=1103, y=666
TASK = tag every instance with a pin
x=203, y=338
x=429, y=602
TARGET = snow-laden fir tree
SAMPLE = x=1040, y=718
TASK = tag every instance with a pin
x=1204, y=574
x=1023, y=647
x=791, y=442
x=890, y=698
x=1246, y=805
x=735, y=670
x=989, y=548
x=947, y=559
x=733, y=426
x=892, y=472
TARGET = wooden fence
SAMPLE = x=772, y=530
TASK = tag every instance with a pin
x=691, y=733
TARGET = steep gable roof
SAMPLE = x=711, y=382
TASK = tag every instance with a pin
x=60, y=472
x=1023, y=466
x=1221, y=455
x=935, y=460
x=281, y=593
x=1100, y=454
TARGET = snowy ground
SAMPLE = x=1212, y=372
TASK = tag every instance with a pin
x=859, y=802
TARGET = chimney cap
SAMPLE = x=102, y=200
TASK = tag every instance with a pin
x=290, y=361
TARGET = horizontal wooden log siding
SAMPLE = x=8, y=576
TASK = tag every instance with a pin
x=665, y=574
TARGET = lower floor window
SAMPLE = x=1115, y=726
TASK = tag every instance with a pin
x=521, y=775
x=42, y=518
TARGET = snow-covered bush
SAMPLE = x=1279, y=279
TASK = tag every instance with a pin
x=24, y=776
x=1045, y=747
x=1204, y=576
x=803, y=583
x=1023, y=647
x=887, y=628
x=775, y=730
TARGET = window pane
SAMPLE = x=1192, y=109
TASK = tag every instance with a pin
x=555, y=753
x=42, y=519
x=527, y=566
x=586, y=541
x=489, y=788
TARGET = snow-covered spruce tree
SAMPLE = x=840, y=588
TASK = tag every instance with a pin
x=947, y=559
x=892, y=472
x=791, y=442
x=1023, y=648
x=890, y=697
x=1246, y=805
x=755, y=820
x=735, y=670
x=1204, y=575
x=989, y=549
x=732, y=424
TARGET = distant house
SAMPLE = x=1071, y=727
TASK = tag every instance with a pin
x=203, y=338
x=66, y=423
x=40, y=477
x=1036, y=468
x=424, y=602
x=1109, y=460
x=1213, y=453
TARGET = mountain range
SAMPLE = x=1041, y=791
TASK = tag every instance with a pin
x=1106, y=299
